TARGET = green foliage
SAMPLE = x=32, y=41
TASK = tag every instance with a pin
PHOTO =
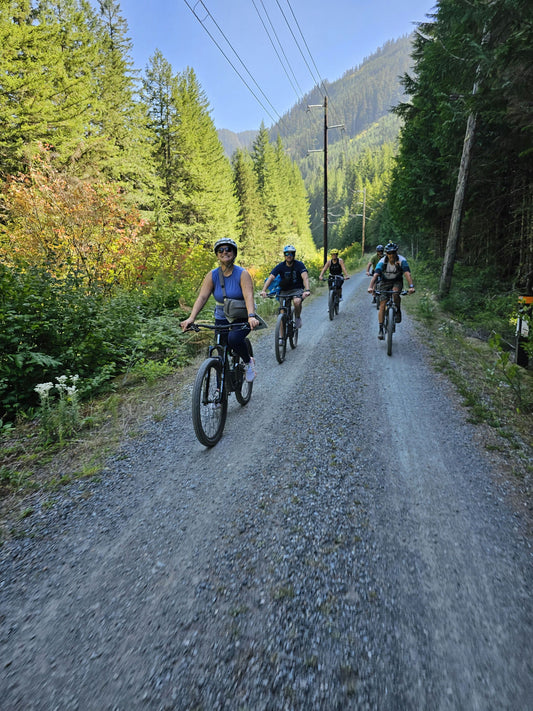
x=472, y=61
x=505, y=373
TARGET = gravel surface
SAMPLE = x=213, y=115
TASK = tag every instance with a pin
x=346, y=545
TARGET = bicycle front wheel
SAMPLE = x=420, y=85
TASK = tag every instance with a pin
x=209, y=404
x=280, y=334
x=331, y=304
x=243, y=391
x=390, y=329
x=337, y=302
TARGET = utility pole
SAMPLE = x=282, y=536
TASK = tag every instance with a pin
x=325, y=149
x=364, y=220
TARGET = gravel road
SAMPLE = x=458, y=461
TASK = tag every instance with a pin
x=346, y=545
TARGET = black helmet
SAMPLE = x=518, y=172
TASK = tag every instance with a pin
x=391, y=247
x=225, y=241
x=379, y=248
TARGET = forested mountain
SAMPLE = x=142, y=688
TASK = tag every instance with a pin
x=360, y=98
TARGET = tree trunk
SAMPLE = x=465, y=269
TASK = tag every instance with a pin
x=457, y=211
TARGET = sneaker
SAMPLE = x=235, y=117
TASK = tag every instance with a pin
x=398, y=317
x=381, y=334
x=249, y=371
x=297, y=322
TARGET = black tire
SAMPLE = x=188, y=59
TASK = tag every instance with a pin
x=337, y=302
x=208, y=410
x=243, y=393
x=293, y=339
x=281, y=337
x=331, y=304
x=390, y=329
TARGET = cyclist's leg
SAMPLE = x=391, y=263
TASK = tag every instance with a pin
x=397, y=300
x=381, y=314
x=236, y=341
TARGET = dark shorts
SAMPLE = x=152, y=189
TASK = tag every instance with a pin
x=385, y=286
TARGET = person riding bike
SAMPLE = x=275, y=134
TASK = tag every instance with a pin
x=336, y=267
x=391, y=270
x=238, y=285
x=294, y=281
x=371, y=266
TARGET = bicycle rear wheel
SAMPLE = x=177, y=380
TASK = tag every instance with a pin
x=390, y=329
x=331, y=304
x=280, y=335
x=243, y=391
x=293, y=337
x=209, y=405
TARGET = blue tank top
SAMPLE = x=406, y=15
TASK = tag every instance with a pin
x=232, y=284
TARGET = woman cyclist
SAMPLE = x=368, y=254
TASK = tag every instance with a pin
x=238, y=285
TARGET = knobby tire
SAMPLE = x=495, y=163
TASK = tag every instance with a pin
x=280, y=335
x=243, y=392
x=331, y=304
x=293, y=340
x=209, y=409
x=390, y=328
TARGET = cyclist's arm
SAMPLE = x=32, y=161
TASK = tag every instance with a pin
x=267, y=283
x=373, y=281
x=205, y=292
x=326, y=265
x=305, y=279
x=368, y=268
x=409, y=278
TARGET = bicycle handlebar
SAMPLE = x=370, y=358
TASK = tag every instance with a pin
x=390, y=292
x=212, y=327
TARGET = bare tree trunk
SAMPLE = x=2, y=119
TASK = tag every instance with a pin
x=457, y=211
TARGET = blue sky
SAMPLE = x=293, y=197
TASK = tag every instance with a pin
x=338, y=35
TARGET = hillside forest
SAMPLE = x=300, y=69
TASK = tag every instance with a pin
x=115, y=183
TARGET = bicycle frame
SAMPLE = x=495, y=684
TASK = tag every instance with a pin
x=222, y=351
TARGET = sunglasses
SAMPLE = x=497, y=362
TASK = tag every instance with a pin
x=288, y=254
x=224, y=249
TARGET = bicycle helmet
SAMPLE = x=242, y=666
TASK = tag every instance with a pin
x=289, y=248
x=226, y=241
x=391, y=247
x=380, y=248
x=334, y=251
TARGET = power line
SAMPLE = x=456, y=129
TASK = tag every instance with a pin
x=298, y=95
x=208, y=14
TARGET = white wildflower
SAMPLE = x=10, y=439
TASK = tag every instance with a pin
x=42, y=389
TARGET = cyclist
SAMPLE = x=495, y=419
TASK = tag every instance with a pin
x=336, y=267
x=370, y=267
x=391, y=270
x=238, y=285
x=294, y=281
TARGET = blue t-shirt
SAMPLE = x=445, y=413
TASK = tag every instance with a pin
x=291, y=277
x=232, y=284
x=392, y=272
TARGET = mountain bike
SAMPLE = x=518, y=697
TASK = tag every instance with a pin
x=285, y=327
x=389, y=322
x=221, y=374
x=335, y=282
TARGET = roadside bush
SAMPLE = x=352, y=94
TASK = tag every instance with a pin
x=51, y=327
